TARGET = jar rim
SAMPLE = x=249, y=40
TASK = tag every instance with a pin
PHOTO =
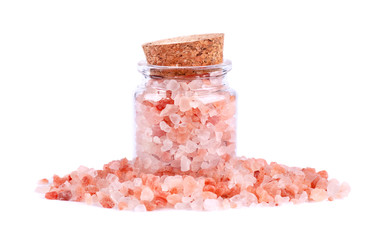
x=144, y=67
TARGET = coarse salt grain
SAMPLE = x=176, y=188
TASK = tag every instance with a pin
x=244, y=182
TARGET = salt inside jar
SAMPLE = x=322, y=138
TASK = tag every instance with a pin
x=185, y=111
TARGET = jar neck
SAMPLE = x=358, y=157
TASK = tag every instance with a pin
x=191, y=77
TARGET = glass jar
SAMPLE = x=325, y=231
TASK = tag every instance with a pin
x=185, y=119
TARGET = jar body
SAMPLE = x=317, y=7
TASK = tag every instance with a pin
x=185, y=123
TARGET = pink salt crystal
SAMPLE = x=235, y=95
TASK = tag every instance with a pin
x=209, y=195
x=344, y=190
x=318, y=195
x=114, y=165
x=184, y=104
x=189, y=185
x=333, y=187
x=42, y=189
x=147, y=194
x=174, y=198
x=225, y=204
x=173, y=85
x=281, y=200
x=88, y=199
x=168, y=110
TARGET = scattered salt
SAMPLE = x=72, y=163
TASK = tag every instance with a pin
x=246, y=182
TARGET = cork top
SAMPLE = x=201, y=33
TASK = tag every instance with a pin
x=193, y=50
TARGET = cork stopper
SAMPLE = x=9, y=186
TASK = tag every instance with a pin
x=187, y=51
x=194, y=50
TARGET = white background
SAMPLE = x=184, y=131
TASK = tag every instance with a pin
x=308, y=76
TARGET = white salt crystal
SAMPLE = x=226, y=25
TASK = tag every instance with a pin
x=148, y=132
x=164, y=126
x=140, y=208
x=187, y=199
x=175, y=118
x=218, y=136
x=185, y=164
x=184, y=86
x=116, y=195
x=213, y=112
x=281, y=200
x=344, y=190
x=210, y=126
x=182, y=206
x=195, y=103
x=191, y=146
x=204, y=135
x=42, y=189
x=137, y=182
x=156, y=140
x=333, y=187
x=195, y=84
x=82, y=169
x=204, y=119
x=111, y=177
x=197, y=204
x=303, y=197
x=211, y=204
x=147, y=194
x=132, y=203
x=221, y=150
x=116, y=185
x=176, y=99
x=172, y=85
x=184, y=104
x=167, y=145
x=205, y=165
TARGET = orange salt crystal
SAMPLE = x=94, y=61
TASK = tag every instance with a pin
x=122, y=205
x=51, y=195
x=43, y=181
x=107, y=202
